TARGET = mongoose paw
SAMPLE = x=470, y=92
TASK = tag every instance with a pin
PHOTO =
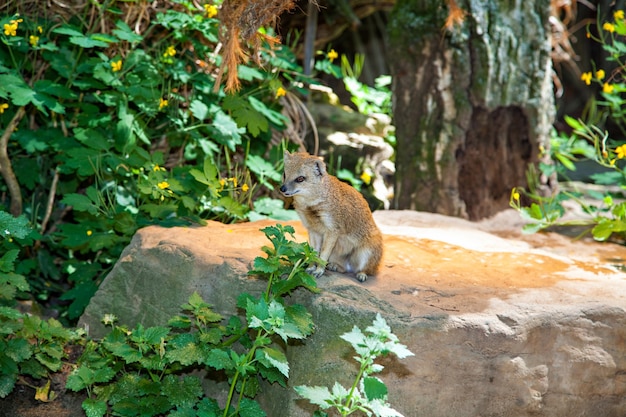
x=315, y=270
x=334, y=267
x=361, y=276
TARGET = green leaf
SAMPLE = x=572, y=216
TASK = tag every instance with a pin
x=7, y=262
x=374, y=388
x=182, y=392
x=80, y=296
x=199, y=110
x=225, y=130
x=11, y=226
x=7, y=383
x=80, y=202
x=606, y=227
x=277, y=359
x=186, y=354
x=219, y=359
x=125, y=33
x=266, y=265
x=68, y=30
x=250, y=408
x=574, y=123
x=152, y=335
x=91, y=41
x=94, y=407
x=319, y=396
x=272, y=115
x=263, y=169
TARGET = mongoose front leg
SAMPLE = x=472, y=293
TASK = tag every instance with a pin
x=328, y=244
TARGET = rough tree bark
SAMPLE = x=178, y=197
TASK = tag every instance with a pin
x=472, y=106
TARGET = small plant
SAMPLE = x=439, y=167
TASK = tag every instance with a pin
x=367, y=394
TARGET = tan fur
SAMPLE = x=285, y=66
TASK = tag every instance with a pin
x=340, y=224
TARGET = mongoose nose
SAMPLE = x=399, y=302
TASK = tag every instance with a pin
x=283, y=189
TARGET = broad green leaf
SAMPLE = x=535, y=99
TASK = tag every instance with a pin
x=80, y=202
x=226, y=131
x=7, y=261
x=68, y=30
x=188, y=354
x=125, y=33
x=11, y=226
x=199, y=110
x=91, y=41
x=219, y=359
x=7, y=383
x=94, y=407
x=277, y=359
x=250, y=408
x=272, y=115
x=182, y=392
x=263, y=169
x=319, y=396
x=374, y=388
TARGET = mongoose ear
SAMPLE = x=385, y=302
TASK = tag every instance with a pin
x=286, y=155
x=320, y=168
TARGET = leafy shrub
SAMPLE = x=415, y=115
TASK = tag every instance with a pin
x=590, y=140
x=116, y=127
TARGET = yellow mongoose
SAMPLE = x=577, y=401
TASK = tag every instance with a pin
x=340, y=224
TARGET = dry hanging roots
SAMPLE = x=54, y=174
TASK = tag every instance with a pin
x=242, y=20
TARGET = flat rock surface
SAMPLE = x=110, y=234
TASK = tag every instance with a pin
x=501, y=323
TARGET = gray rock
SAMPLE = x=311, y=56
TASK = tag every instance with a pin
x=501, y=324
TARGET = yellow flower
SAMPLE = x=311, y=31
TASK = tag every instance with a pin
x=280, y=92
x=163, y=185
x=618, y=15
x=211, y=10
x=600, y=74
x=609, y=27
x=3, y=107
x=170, y=51
x=116, y=65
x=89, y=233
x=332, y=55
x=607, y=88
x=157, y=167
x=366, y=177
x=245, y=188
x=234, y=180
x=586, y=77
x=516, y=196
x=621, y=151
x=33, y=40
x=10, y=29
x=162, y=103
x=39, y=29
x=222, y=183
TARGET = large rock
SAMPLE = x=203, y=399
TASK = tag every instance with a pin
x=501, y=324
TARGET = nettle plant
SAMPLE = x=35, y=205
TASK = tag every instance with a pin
x=111, y=125
x=589, y=139
x=368, y=394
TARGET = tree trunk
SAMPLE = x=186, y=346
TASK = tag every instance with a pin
x=472, y=105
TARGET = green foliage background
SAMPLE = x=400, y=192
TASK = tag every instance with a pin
x=119, y=124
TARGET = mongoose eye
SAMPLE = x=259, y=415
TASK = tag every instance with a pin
x=300, y=179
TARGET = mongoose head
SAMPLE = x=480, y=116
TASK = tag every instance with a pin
x=303, y=173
